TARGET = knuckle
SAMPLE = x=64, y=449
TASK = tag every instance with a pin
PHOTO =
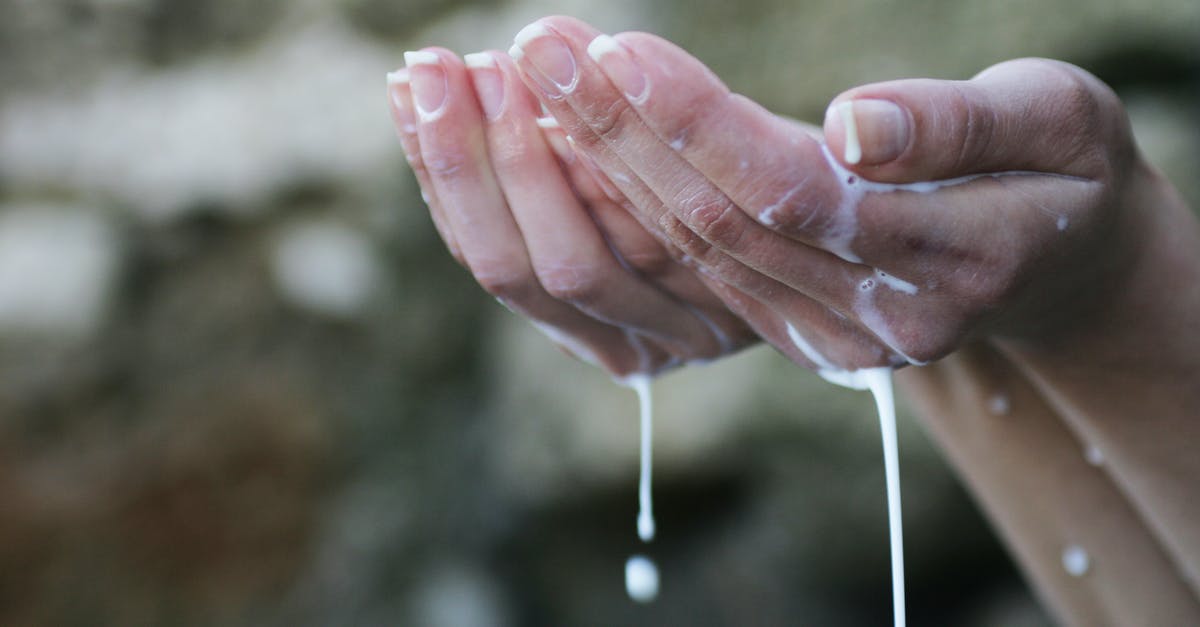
x=651, y=262
x=713, y=217
x=573, y=284
x=978, y=124
x=608, y=119
x=446, y=163
x=683, y=237
x=505, y=283
x=512, y=154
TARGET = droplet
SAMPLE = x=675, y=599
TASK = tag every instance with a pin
x=641, y=579
x=998, y=404
x=1076, y=560
x=1094, y=455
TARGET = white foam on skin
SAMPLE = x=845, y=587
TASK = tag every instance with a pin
x=869, y=315
x=896, y=283
x=879, y=382
x=845, y=224
x=854, y=188
x=767, y=215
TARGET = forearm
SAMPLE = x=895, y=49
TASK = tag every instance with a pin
x=1123, y=382
x=1030, y=473
x=1130, y=384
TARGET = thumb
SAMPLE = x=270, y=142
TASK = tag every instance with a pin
x=1029, y=114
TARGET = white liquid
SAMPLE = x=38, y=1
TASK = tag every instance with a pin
x=641, y=579
x=1075, y=561
x=998, y=404
x=879, y=382
x=641, y=575
x=850, y=124
x=645, y=519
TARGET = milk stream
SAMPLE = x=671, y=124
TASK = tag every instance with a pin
x=879, y=382
x=641, y=574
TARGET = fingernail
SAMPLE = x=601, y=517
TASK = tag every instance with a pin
x=619, y=66
x=428, y=80
x=489, y=83
x=876, y=131
x=401, y=98
x=550, y=57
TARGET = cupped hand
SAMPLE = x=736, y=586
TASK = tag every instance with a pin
x=535, y=226
x=934, y=212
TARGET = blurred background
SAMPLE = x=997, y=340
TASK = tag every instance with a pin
x=241, y=383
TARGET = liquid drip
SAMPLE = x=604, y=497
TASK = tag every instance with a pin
x=879, y=382
x=641, y=575
x=841, y=233
x=850, y=124
x=1076, y=561
x=641, y=579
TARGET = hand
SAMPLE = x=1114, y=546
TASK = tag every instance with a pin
x=537, y=230
x=853, y=261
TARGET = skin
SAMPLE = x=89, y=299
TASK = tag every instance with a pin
x=683, y=222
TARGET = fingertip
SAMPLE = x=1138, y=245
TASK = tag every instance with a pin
x=868, y=131
x=479, y=60
x=488, y=82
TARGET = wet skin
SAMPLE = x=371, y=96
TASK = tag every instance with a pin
x=682, y=222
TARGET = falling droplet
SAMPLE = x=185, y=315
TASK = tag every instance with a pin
x=641, y=579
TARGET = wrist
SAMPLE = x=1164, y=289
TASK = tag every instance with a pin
x=1138, y=316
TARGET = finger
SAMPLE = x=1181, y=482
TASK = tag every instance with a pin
x=646, y=256
x=405, y=120
x=453, y=153
x=648, y=253
x=569, y=254
x=1029, y=114
x=714, y=230
x=771, y=168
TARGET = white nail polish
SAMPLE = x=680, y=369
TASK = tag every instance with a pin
x=547, y=122
x=529, y=33
x=399, y=77
x=853, y=148
x=418, y=57
x=602, y=45
x=480, y=60
x=516, y=53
